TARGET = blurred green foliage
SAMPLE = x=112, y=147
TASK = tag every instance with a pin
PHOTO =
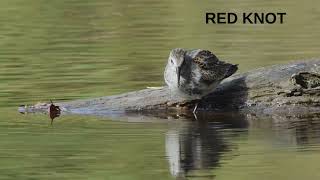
x=77, y=49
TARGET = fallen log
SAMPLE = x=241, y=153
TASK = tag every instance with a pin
x=290, y=89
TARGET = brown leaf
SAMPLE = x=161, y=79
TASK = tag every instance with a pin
x=54, y=111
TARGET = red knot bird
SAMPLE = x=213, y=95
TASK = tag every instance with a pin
x=193, y=74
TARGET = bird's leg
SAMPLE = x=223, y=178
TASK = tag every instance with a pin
x=194, y=113
x=195, y=109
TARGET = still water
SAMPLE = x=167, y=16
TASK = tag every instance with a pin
x=66, y=50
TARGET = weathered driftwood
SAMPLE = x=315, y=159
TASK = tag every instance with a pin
x=291, y=88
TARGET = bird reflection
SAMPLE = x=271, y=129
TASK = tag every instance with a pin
x=199, y=145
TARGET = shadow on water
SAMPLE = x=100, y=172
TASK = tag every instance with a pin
x=305, y=129
x=195, y=148
x=200, y=144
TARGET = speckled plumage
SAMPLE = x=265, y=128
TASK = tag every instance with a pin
x=200, y=72
x=211, y=68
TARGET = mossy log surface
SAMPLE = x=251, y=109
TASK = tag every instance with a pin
x=286, y=89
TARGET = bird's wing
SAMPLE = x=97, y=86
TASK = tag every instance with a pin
x=211, y=68
x=205, y=59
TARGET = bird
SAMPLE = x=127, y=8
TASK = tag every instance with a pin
x=193, y=74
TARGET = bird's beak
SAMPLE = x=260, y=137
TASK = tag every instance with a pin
x=178, y=69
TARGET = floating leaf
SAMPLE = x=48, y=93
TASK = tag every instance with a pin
x=54, y=111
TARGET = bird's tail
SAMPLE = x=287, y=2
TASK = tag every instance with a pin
x=232, y=69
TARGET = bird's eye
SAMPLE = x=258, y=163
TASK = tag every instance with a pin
x=171, y=61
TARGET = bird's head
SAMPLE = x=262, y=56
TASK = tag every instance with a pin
x=176, y=60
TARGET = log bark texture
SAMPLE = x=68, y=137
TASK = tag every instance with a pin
x=290, y=88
